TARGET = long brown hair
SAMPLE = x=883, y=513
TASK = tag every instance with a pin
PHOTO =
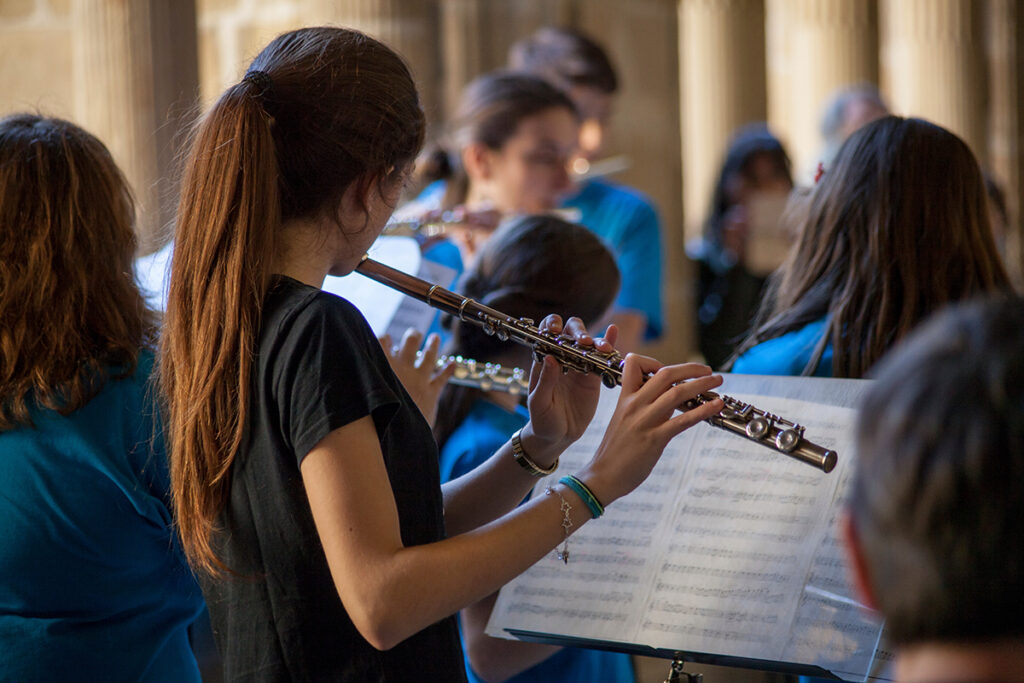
x=320, y=109
x=535, y=265
x=897, y=228
x=71, y=314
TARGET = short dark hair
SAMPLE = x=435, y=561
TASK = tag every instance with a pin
x=564, y=57
x=938, y=498
x=530, y=267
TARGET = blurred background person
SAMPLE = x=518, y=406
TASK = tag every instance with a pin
x=744, y=239
x=897, y=228
x=506, y=153
x=622, y=216
x=933, y=521
x=532, y=265
x=846, y=111
x=94, y=583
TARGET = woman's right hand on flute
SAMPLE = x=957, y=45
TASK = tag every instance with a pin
x=645, y=420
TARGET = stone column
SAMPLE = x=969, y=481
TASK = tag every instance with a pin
x=476, y=35
x=932, y=63
x=462, y=41
x=1004, y=40
x=814, y=48
x=643, y=45
x=722, y=75
x=135, y=84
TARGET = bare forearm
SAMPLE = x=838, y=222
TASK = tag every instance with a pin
x=494, y=488
x=411, y=588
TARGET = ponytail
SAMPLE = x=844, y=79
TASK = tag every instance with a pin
x=227, y=220
x=320, y=108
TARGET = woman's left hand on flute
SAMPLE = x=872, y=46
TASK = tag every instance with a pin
x=562, y=404
x=419, y=374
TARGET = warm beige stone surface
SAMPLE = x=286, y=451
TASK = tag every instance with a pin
x=814, y=49
x=645, y=129
x=932, y=63
x=16, y=9
x=42, y=79
x=722, y=55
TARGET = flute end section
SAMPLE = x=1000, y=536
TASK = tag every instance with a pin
x=828, y=461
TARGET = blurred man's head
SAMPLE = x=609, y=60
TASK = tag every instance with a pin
x=578, y=66
x=845, y=112
x=937, y=504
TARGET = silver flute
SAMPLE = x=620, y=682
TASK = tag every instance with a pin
x=439, y=226
x=486, y=376
x=740, y=418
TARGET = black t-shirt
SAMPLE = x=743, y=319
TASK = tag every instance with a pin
x=318, y=367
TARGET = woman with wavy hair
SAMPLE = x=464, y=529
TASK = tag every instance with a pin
x=94, y=585
x=305, y=476
x=894, y=230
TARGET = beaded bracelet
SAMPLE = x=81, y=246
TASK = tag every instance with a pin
x=526, y=462
x=563, y=554
x=584, y=492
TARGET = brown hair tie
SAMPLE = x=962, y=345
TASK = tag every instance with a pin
x=260, y=79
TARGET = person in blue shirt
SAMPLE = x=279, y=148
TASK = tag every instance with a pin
x=623, y=217
x=93, y=583
x=530, y=265
x=895, y=229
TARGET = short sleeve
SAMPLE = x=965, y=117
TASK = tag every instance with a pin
x=639, y=260
x=329, y=371
x=627, y=221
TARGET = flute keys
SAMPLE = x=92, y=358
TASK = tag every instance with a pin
x=787, y=439
x=758, y=428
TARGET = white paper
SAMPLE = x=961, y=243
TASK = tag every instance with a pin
x=729, y=548
x=153, y=272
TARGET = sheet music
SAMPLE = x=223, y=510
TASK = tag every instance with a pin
x=728, y=548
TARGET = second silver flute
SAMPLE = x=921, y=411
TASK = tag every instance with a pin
x=737, y=417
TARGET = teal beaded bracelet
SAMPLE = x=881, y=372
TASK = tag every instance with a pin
x=585, y=494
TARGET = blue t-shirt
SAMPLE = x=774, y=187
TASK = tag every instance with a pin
x=627, y=221
x=788, y=354
x=93, y=583
x=484, y=430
